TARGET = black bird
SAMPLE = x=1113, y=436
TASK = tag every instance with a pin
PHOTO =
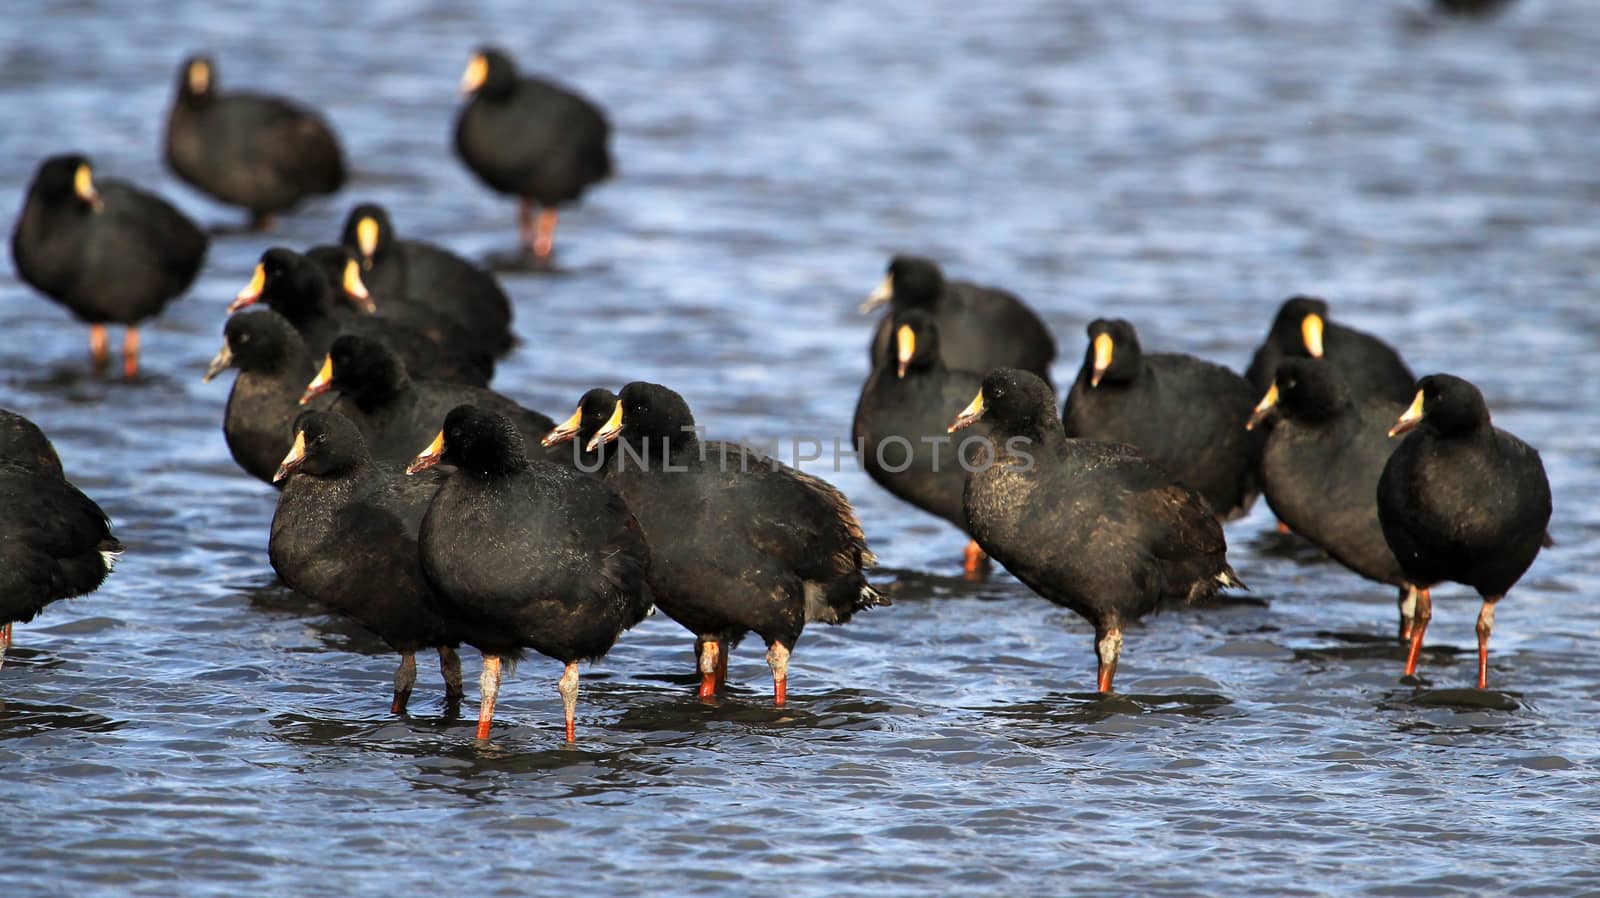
x=1184, y=413
x=274, y=368
x=1461, y=500
x=980, y=327
x=263, y=153
x=902, y=420
x=1320, y=470
x=345, y=535
x=112, y=255
x=525, y=554
x=532, y=139
x=342, y=269
x=297, y=288
x=1369, y=366
x=397, y=414
x=1095, y=527
x=55, y=543
x=594, y=409
x=420, y=273
x=738, y=541
x=1471, y=8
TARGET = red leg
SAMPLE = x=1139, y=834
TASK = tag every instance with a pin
x=490, y=687
x=1485, y=627
x=1108, y=648
x=99, y=347
x=1284, y=528
x=405, y=676
x=973, y=560
x=544, y=240
x=130, y=353
x=1419, y=626
x=778, y=660
x=1408, y=610
x=569, y=698
x=5, y=642
x=709, y=650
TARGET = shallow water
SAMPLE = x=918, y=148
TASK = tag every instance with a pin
x=195, y=729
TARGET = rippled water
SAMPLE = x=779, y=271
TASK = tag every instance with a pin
x=194, y=728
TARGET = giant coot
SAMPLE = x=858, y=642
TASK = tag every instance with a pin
x=111, y=253
x=273, y=366
x=1369, y=366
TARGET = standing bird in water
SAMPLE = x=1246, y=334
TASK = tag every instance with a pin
x=263, y=153
x=527, y=554
x=981, y=328
x=1462, y=500
x=55, y=543
x=1094, y=527
x=111, y=253
x=532, y=139
x=738, y=542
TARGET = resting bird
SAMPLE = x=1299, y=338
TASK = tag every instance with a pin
x=263, y=153
x=111, y=254
x=1369, y=366
x=526, y=554
x=1462, y=500
x=1094, y=527
x=532, y=139
x=738, y=541
x=394, y=412
x=342, y=269
x=273, y=367
x=55, y=543
x=345, y=535
x=901, y=424
x=980, y=327
x=419, y=273
x=1185, y=414
x=1320, y=470
x=298, y=289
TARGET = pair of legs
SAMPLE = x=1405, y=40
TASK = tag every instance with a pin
x=489, y=686
x=100, y=350
x=405, y=677
x=712, y=657
x=1424, y=613
x=538, y=231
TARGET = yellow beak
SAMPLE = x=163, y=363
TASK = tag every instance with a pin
x=906, y=347
x=355, y=290
x=220, y=362
x=83, y=186
x=429, y=456
x=295, y=458
x=367, y=238
x=1410, y=419
x=879, y=296
x=477, y=72
x=611, y=430
x=968, y=415
x=565, y=431
x=199, y=77
x=320, y=384
x=1263, y=408
x=1102, y=358
x=252, y=290
x=1311, y=331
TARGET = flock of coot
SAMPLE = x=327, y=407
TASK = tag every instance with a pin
x=437, y=512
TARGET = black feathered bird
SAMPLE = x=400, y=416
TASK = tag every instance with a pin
x=55, y=543
x=738, y=541
x=1184, y=413
x=1461, y=500
x=345, y=535
x=525, y=554
x=297, y=288
x=530, y=138
x=1320, y=469
x=110, y=253
x=902, y=419
x=274, y=367
x=259, y=152
x=594, y=409
x=1369, y=366
x=1091, y=526
x=980, y=328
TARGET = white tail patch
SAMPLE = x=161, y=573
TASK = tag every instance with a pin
x=110, y=559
